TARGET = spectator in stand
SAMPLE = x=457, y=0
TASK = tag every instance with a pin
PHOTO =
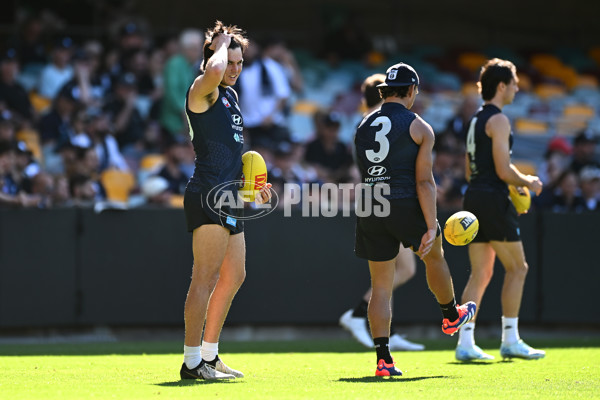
x=556, y=160
x=88, y=86
x=326, y=153
x=7, y=127
x=42, y=187
x=13, y=97
x=128, y=123
x=584, y=150
x=61, y=196
x=589, y=182
x=180, y=71
x=56, y=130
x=175, y=154
x=30, y=45
x=264, y=91
x=98, y=133
x=156, y=191
x=458, y=124
x=25, y=166
x=59, y=71
x=10, y=193
x=564, y=195
x=449, y=184
x=83, y=190
x=275, y=49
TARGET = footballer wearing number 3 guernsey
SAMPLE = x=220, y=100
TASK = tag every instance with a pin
x=393, y=147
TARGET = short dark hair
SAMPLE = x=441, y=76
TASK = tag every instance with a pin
x=492, y=73
x=391, y=91
x=76, y=181
x=370, y=91
x=238, y=40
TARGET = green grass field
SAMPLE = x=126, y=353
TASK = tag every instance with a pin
x=325, y=369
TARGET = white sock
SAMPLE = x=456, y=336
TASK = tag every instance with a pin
x=191, y=356
x=510, y=330
x=466, y=335
x=209, y=350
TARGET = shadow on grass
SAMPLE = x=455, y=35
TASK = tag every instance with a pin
x=194, y=382
x=472, y=362
x=371, y=379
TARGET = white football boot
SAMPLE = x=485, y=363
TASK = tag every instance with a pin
x=521, y=349
x=463, y=353
x=357, y=327
x=397, y=342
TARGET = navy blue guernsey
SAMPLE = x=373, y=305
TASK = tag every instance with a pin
x=385, y=151
x=479, y=150
x=217, y=138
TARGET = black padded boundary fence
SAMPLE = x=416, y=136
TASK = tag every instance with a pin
x=73, y=267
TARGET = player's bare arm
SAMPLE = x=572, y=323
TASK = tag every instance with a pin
x=498, y=129
x=204, y=90
x=467, y=167
x=423, y=135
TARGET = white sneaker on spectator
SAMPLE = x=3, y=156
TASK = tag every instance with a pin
x=357, y=327
x=397, y=342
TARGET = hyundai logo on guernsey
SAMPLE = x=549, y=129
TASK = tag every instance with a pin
x=237, y=119
x=376, y=170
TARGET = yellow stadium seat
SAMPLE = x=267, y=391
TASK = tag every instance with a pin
x=545, y=62
x=470, y=88
x=151, y=161
x=177, y=201
x=526, y=167
x=472, y=61
x=569, y=126
x=527, y=126
x=305, y=107
x=594, y=54
x=39, y=103
x=579, y=111
x=118, y=184
x=587, y=81
x=524, y=82
x=32, y=140
x=549, y=90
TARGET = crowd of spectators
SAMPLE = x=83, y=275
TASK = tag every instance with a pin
x=72, y=109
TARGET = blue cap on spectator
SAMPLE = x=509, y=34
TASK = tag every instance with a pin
x=400, y=75
x=127, y=79
x=64, y=43
x=9, y=55
x=130, y=28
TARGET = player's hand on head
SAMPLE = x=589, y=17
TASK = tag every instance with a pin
x=427, y=242
x=220, y=39
x=264, y=195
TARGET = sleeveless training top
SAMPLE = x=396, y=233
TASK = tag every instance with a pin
x=479, y=150
x=385, y=151
x=217, y=138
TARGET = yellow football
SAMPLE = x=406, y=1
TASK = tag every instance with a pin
x=254, y=175
x=461, y=228
x=520, y=197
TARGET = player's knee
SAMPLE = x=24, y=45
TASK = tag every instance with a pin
x=239, y=278
x=519, y=268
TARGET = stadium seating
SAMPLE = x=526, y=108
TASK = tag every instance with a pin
x=118, y=184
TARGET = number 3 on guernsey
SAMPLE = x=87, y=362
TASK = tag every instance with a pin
x=380, y=136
